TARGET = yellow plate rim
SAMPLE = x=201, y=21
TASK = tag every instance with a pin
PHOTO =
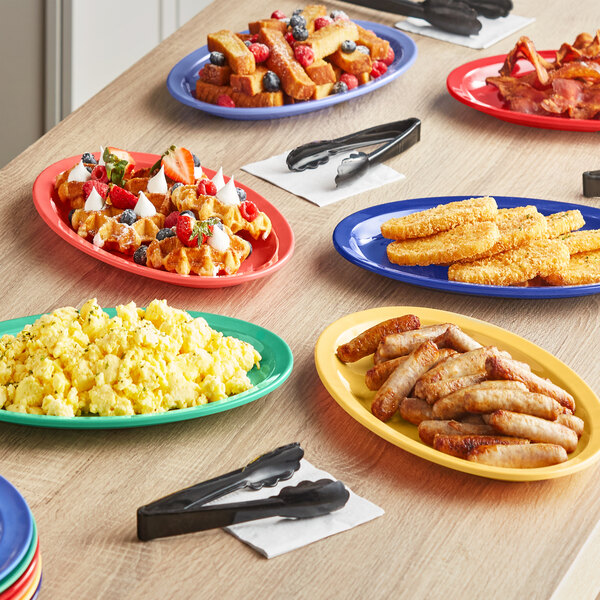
x=330, y=370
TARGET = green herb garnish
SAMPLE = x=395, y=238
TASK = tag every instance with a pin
x=115, y=167
x=204, y=229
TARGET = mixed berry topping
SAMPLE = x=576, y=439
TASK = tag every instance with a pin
x=217, y=58
x=297, y=20
x=206, y=188
x=378, y=69
x=225, y=100
x=277, y=14
x=350, y=80
x=241, y=193
x=300, y=33
x=139, y=256
x=363, y=49
x=166, y=232
x=101, y=188
x=171, y=219
x=339, y=87
x=391, y=56
x=348, y=46
x=128, y=217
x=304, y=55
x=88, y=158
x=99, y=173
x=321, y=22
x=271, y=82
x=261, y=52
x=121, y=198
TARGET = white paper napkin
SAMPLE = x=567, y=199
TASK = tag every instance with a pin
x=275, y=536
x=492, y=30
x=318, y=185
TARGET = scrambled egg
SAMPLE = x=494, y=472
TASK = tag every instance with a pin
x=82, y=362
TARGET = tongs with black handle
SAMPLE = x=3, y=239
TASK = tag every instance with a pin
x=455, y=16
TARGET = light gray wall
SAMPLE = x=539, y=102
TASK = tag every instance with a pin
x=21, y=74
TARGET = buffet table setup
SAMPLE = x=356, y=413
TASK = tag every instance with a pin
x=173, y=189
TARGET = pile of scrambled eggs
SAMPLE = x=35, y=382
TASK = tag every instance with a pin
x=82, y=362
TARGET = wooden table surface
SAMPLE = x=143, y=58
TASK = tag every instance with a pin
x=444, y=533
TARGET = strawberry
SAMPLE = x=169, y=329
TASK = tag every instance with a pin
x=172, y=219
x=101, y=188
x=391, y=56
x=184, y=229
x=225, y=100
x=277, y=14
x=249, y=210
x=99, y=173
x=120, y=154
x=179, y=164
x=121, y=198
x=261, y=52
x=350, y=80
x=305, y=55
x=206, y=188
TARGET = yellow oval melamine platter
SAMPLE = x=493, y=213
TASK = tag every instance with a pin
x=345, y=382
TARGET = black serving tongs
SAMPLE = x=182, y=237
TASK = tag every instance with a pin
x=455, y=16
x=186, y=511
x=396, y=137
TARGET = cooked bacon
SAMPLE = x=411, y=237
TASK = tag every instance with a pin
x=526, y=49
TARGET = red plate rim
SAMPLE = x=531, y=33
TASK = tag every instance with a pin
x=459, y=89
x=44, y=200
x=25, y=579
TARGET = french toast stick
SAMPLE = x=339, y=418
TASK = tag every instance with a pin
x=239, y=58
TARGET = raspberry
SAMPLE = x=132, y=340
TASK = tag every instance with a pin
x=121, y=198
x=99, y=174
x=350, y=80
x=289, y=38
x=254, y=38
x=304, y=55
x=321, y=22
x=225, y=100
x=249, y=210
x=389, y=59
x=277, y=14
x=101, y=188
x=206, y=188
x=260, y=51
x=172, y=218
x=379, y=68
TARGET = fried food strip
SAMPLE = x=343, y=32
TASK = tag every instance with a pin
x=321, y=72
x=500, y=367
x=534, y=429
x=538, y=257
x=517, y=226
x=487, y=401
x=312, y=12
x=239, y=58
x=432, y=392
x=460, y=445
x=581, y=269
x=399, y=344
x=415, y=410
x=582, y=241
x=249, y=84
x=462, y=242
x=572, y=422
x=379, y=48
x=328, y=39
x=520, y=457
x=376, y=376
x=356, y=62
x=210, y=93
x=454, y=337
x=366, y=343
x=401, y=381
x=278, y=24
x=440, y=218
x=429, y=429
x=294, y=80
x=453, y=405
x=214, y=74
x=322, y=91
x=563, y=222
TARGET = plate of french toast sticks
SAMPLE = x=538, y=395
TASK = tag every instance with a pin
x=166, y=217
x=461, y=393
x=286, y=65
x=488, y=246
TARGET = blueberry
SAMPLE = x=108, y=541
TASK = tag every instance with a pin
x=128, y=217
x=297, y=20
x=217, y=58
x=71, y=213
x=175, y=186
x=271, y=82
x=139, y=256
x=188, y=212
x=248, y=43
x=300, y=33
x=363, y=49
x=339, y=87
x=197, y=162
x=297, y=11
x=89, y=169
x=348, y=46
x=241, y=194
x=165, y=233
x=88, y=158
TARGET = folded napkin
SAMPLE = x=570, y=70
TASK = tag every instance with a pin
x=318, y=185
x=492, y=30
x=274, y=536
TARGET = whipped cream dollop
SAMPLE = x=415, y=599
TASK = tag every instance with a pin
x=98, y=241
x=219, y=240
x=218, y=179
x=143, y=207
x=101, y=161
x=94, y=201
x=197, y=172
x=79, y=173
x=228, y=194
x=158, y=183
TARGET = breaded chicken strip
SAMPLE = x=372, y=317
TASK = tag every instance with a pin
x=581, y=241
x=440, y=218
x=563, y=222
x=582, y=269
x=538, y=257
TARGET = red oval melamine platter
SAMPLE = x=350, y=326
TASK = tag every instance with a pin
x=267, y=255
x=467, y=84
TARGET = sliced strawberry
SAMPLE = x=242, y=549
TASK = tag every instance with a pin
x=121, y=198
x=101, y=188
x=206, y=188
x=99, y=173
x=179, y=164
x=121, y=154
x=172, y=219
x=185, y=225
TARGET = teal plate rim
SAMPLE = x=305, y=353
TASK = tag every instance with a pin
x=275, y=367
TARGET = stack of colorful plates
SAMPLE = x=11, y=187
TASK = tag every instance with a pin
x=20, y=559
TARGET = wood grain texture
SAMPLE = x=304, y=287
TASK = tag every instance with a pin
x=444, y=534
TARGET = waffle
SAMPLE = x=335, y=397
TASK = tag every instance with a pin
x=186, y=198
x=70, y=192
x=161, y=202
x=170, y=254
x=87, y=223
